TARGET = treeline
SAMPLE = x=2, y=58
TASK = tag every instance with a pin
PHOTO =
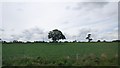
x=75, y=41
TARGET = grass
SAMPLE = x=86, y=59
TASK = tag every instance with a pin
x=58, y=52
x=0, y=54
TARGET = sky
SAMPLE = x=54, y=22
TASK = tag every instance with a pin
x=31, y=21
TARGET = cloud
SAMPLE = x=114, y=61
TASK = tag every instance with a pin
x=33, y=34
x=59, y=0
x=110, y=35
x=90, y=5
x=36, y=34
x=74, y=19
x=96, y=35
x=1, y=32
x=83, y=33
x=94, y=9
x=1, y=29
x=102, y=13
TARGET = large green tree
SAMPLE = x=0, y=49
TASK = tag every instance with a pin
x=56, y=35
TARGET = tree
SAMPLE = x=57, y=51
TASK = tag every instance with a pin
x=0, y=39
x=104, y=41
x=116, y=41
x=89, y=37
x=98, y=41
x=55, y=35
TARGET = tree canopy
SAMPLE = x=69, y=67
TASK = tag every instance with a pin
x=56, y=35
x=89, y=37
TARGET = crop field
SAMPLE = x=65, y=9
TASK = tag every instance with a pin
x=28, y=54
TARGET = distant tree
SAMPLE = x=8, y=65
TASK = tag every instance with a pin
x=65, y=41
x=89, y=37
x=29, y=42
x=39, y=42
x=98, y=41
x=55, y=35
x=74, y=41
x=0, y=40
x=116, y=41
x=4, y=42
x=19, y=42
x=15, y=41
x=104, y=41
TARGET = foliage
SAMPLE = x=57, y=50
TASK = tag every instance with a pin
x=104, y=41
x=98, y=41
x=116, y=41
x=89, y=37
x=56, y=35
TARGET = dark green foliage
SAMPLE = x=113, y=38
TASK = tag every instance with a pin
x=74, y=41
x=66, y=42
x=116, y=41
x=39, y=42
x=89, y=38
x=56, y=35
x=104, y=40
x=98, y=41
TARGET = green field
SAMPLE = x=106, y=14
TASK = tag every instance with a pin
x=0, y=54
x=53, y=51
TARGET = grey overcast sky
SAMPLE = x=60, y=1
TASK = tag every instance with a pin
x=33, y=20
